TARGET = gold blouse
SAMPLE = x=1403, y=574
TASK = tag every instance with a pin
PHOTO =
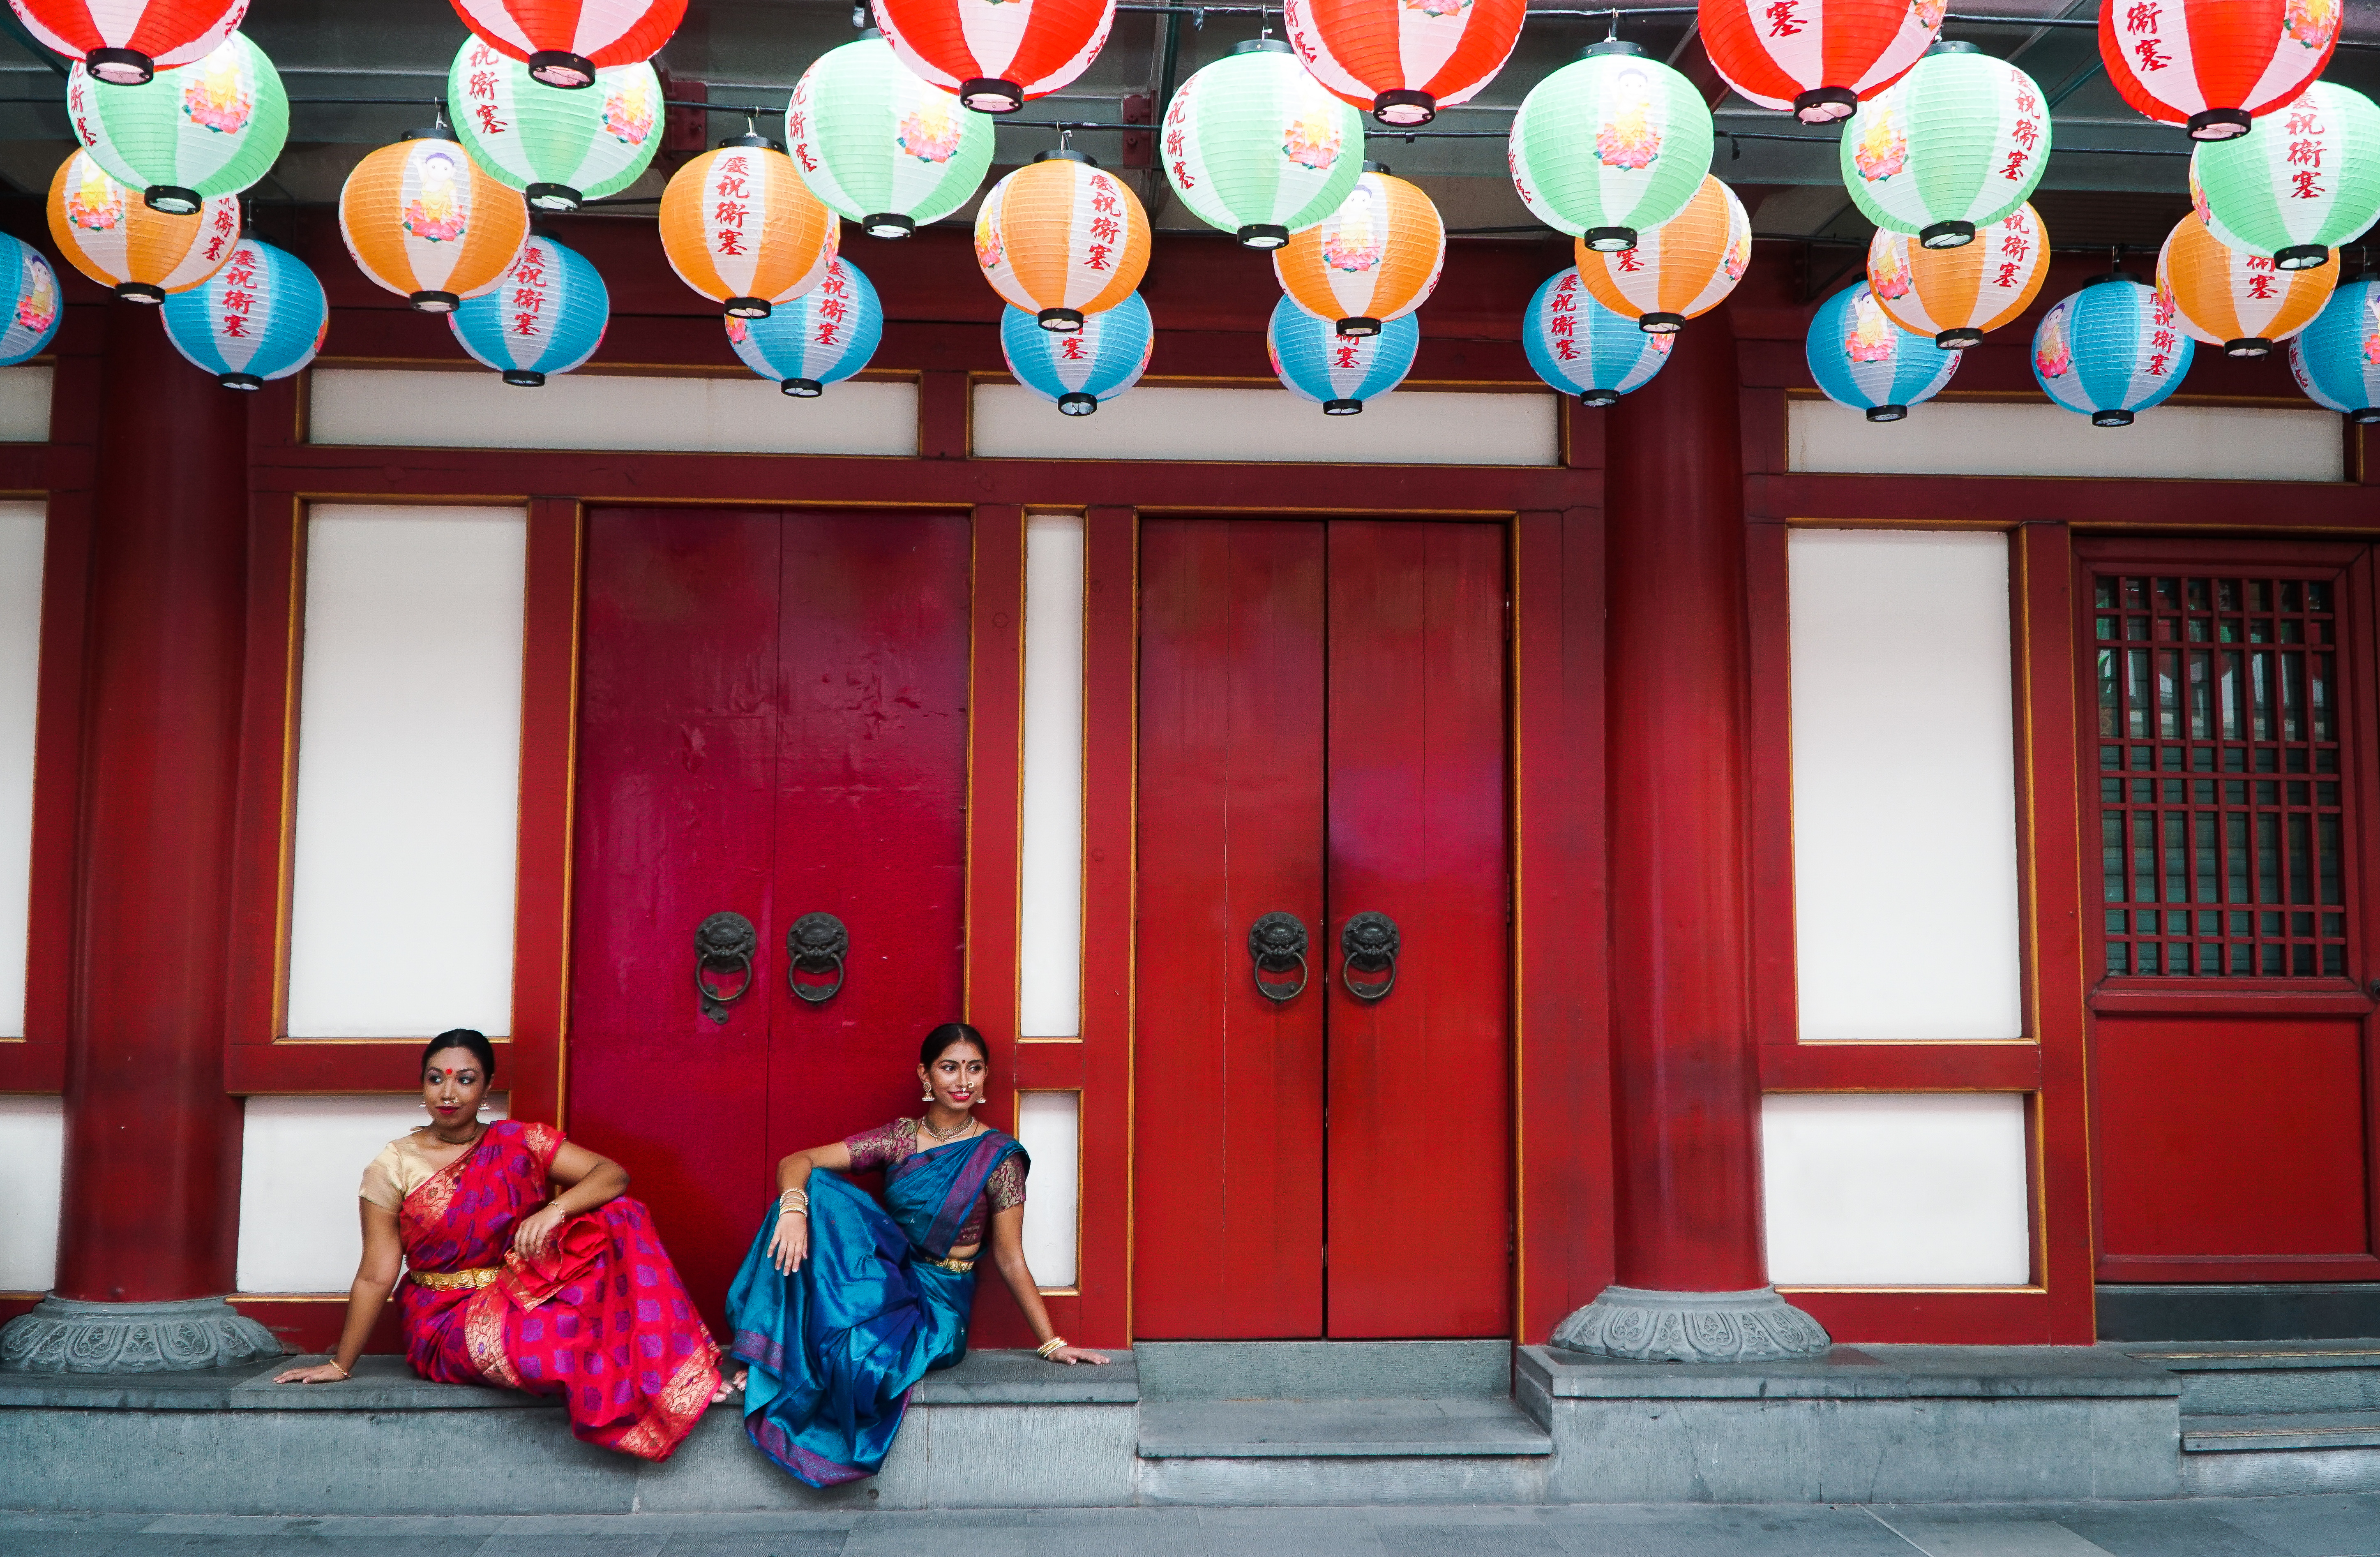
x=398, y=1171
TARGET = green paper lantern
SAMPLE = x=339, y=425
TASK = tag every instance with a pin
x=1609, y=146
x=880, y=146
x=1255, y=146
x=2307, y=180
x=1956, y=144
x=210, y=127
x=560, y=146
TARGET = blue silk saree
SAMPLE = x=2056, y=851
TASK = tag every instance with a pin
x=834, y=1347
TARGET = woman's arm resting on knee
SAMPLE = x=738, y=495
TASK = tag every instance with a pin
x=1007, y=1241
x=375, y=1279
x=790, y=1244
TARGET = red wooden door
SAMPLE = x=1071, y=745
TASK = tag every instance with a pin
x=2228, y=755
x=1322, y=733
x=772, y=722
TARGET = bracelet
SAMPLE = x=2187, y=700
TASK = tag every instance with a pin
x=1050, y=1347
x=344, y=1373
x=793, y=1202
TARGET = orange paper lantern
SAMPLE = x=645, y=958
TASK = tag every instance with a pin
x=2238, y=301
x=1682, y=268
x=113, y=236
x=740, y=227
x=1954, y=294
x=422, y=220
x=1375, y=259
x=1060, y=238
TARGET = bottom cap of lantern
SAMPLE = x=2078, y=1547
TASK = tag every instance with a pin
x=1887, y=413
x=1661, y=323
x=2248, y=346
x=139, y=292
x=240, y=381
x=1060, y=320
x=1946, y=235
x=802, y=389
x=551, y=197
x=748, y=307
x=2111, y=419
x=1262, y=235
x=1074, y=403
x=1823, y=106
x=1405, y=106
x=1598, y=398
x=171, y=199
x=2301, y=257
x=2218, y=123
x=524, y=378
x=559, y=68
x=120, y=67
x=1342, y=407
x=1959, y=338
x=986, y=95
x=2365, y=417
x=434, y=301
x=1362, y=324
x=887, y=223
x=1608, y=240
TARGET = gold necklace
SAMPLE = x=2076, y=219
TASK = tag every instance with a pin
x=948, y=1135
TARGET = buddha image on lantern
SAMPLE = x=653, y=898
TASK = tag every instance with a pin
x=1357, y=243
x=1883, y=148
x=2313, y=23
x=1629, y=139
x=39, y=303
x=989, y=251
x=95, y=204
x=1870, y=337
x=1888, y=276
x=218, y=97
x=435, y=211
x=1313, y=143
x=629, y=112
x=2051, y=356
x=930, y=134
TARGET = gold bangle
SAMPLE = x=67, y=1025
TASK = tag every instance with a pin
x=344, y=1373
x=1050, y=1347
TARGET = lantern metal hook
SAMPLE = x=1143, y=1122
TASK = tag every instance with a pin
x=1614, y=31
x=1065, y=139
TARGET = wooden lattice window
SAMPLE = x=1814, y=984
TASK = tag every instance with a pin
x=2220, y=787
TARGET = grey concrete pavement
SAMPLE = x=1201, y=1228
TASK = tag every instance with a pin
x=2336, y=1526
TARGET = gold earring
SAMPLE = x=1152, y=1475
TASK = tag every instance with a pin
x=927, y=1096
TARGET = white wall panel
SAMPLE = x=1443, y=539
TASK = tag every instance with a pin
x=32, y=1147
x=408, y=772
x=1896, y=1188
x=25, y=404
x=412, y=408
x=1905, y=916
x=1050, y=1126
x=302, y=1163
x=22, y=528
x=1049, y=846
x=1259, y=426
x=2036, y=438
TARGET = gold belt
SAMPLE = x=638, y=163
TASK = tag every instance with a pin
x=452, y=1281
x=960, y=1265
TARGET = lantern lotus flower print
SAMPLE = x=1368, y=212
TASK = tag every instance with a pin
x=1062, y=239
x=211, y=127
x=422, y=221
x=546, y=316
x=1817, y=57
x=1255, y=147
x=1609, y=146
x=34, y=304
x=126, y=41
x=2295, y=194
x=1084, y=369
x=2337, y=358
x=880, y=146
x=2240, y=302
x=1861, y=358
x=740, y=227
x=1956, y=144
x=2215, y=65
x=565, y=43
x=1681, y=270
x=560, y=148
x=1955, y=294
x=1376, y=258
x=1581, y=348
x=1403, y=59
x=821, y=338
x=113, y=236
x=260, y=318
x=2111, y=350
x=1338, y=372
x=997, y=55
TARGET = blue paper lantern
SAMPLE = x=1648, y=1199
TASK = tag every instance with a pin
x=2111, y=350
x=546, y=315
x=1338, y=372
x=821, y=338
x=2337, y=358
x=34, y=312
x=1083, y=367
x=1862, y=360
x=1582, y=349
x=261, y=316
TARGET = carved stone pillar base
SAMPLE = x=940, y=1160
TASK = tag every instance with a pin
x=1754, y=1326
x=64, y=1336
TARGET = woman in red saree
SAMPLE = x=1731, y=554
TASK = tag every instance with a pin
x=569, y=1295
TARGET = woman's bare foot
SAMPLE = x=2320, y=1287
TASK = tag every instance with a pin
x=730, y=1387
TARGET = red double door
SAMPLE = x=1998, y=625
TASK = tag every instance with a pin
x=773, y=724
x=1322, y=735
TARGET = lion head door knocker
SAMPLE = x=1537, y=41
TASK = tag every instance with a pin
x=723, y=943
x=816, y=945
x=1368, y=946
x=1277, y=947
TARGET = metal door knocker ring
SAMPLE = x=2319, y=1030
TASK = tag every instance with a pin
x=724, y=942
x=1276, y=944
x=817, y=944
x=1367, y=945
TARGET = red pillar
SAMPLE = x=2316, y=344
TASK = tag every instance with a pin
x=1692, y=1279
x=153, y=1142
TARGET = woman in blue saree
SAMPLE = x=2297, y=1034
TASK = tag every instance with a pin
x=842, y=1305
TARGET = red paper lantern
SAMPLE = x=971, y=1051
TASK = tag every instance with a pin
x=126, y=41
x=566, y=42
x=1403, y=59
x=1817, y=57
x=2215, y=65
x=996, y=57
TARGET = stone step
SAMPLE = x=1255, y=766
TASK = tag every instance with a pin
x=1185, y=1370
x=2240, y=1378
x=1337, y=1430
x=2265, y=1431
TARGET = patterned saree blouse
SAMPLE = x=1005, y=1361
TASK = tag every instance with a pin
x=887, y=1143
